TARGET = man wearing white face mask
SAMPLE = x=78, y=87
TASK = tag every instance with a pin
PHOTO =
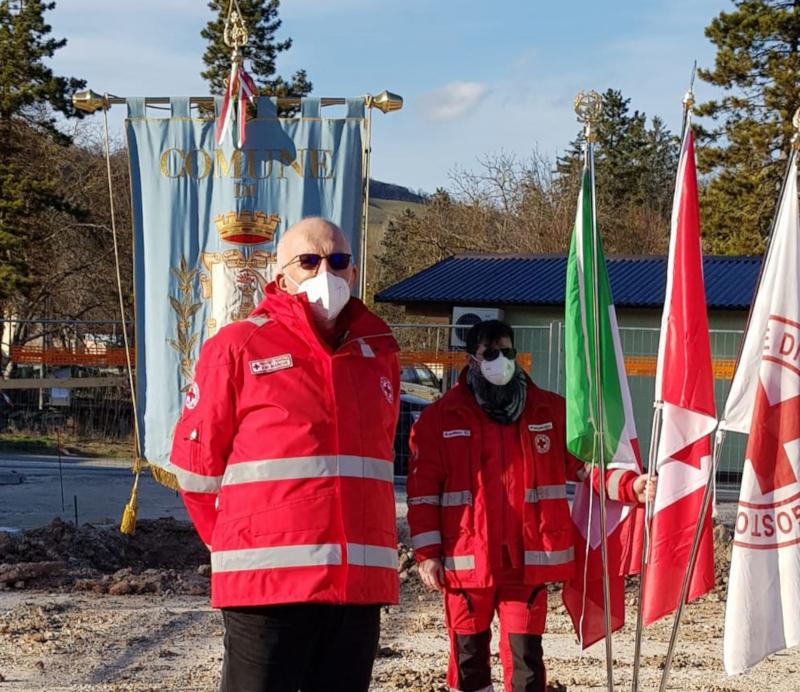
x=487, y=507
x=284, y=453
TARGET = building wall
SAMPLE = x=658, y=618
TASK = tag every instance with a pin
x=639, y=334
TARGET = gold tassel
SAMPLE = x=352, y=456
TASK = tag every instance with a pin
x=128, y=523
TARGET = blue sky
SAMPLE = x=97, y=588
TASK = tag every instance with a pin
x=477, y=77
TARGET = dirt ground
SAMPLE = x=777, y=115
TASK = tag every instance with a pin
x=90, y=609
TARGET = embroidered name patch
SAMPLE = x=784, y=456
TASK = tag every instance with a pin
x=539, y=427
x=456, y=433
x=268, y=365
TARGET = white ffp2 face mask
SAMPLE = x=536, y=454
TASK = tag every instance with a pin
x=327, y=294
x=498, y=371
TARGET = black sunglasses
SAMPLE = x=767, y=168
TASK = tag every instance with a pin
x=310, y=260
x=491, y=353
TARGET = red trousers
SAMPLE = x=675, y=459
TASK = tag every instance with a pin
x=468, y=614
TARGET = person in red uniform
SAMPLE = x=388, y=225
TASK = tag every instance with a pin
x=488, y=512
x=284, y=455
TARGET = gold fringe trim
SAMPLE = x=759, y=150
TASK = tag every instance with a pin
x=164, y=477
x=128, y=523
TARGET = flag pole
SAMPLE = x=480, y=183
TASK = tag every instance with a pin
x=655, y=434
x=652, y=458
x=588, y=107
x=720, y=434
x=718, y=439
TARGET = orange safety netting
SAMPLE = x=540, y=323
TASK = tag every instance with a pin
x=97, y=356
x=102, y=355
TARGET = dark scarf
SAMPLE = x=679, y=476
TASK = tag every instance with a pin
x=502, y=403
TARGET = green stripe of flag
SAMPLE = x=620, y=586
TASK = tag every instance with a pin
x=581, y=380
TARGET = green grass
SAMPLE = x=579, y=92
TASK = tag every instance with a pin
x=32, y=443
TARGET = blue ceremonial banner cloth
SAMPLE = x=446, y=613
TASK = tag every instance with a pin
x=206, y=223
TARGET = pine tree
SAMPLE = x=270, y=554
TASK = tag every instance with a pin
x=261, y=51
x=635, y=176
x=30, y=96
x=746, y=145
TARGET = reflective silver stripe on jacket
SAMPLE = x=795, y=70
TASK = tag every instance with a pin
x=280, y=556
x=258, y=320
x=459, y=497
x=544, y=558
x=612, y=484
x=196, y=482
x=424, y=539
x=303, y=556
x=546, y=492
x=457, y=562
x=323, y=466
x=423, y=500
x=371, y=555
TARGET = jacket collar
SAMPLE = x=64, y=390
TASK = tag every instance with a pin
x=534, y=397
x=355, y=320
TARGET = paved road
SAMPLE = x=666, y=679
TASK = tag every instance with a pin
x=100, y=487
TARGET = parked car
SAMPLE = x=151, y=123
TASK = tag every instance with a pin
x=419, y=380
x=411, y=407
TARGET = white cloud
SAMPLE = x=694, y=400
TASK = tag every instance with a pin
x=451, y=101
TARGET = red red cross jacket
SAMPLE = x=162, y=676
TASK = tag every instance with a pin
x=284, y=457
x=455, y=513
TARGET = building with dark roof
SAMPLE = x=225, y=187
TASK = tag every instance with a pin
x=530, y=288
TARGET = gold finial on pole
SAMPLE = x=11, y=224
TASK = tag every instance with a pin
x=235, y=32
x=688, y=97
x=589, y=108
x=90, y=101
x=385, y=102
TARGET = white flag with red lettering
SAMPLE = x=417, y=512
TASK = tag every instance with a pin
x=685, y=385
x=763, y=609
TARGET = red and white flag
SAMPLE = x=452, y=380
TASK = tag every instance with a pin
x=763, y=608
x=685, y=385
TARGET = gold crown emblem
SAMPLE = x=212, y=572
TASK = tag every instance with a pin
x=247, y=227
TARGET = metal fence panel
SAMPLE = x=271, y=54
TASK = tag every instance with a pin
x=545, y=344
x=92, y=349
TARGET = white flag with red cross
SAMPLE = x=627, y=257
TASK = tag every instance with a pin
x=763, y=608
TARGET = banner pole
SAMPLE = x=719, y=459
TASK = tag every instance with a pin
x=698, y=531
x=655, y=434
x=90, y=101
x=364, y=244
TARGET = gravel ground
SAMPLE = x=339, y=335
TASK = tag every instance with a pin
x=132, y=614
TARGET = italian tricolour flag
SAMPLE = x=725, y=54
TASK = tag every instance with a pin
x=586, y=341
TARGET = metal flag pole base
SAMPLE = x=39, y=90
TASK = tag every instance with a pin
x=655, y=433
x=718, y=440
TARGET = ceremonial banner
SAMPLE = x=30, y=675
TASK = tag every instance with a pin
x=685, y=385
x=763, y=609
x=207, y=218
x=583, y=598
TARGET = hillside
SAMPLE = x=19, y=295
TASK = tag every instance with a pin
x=386, y=202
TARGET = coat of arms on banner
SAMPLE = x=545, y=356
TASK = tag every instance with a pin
x=233, y=283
